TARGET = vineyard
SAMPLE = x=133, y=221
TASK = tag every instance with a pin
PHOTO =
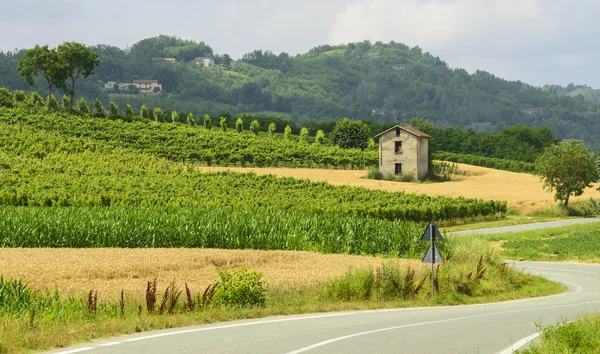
x=193, y=143
x=495, y=163
x=82, y=188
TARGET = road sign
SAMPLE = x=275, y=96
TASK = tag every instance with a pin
x=432, y=256
x=432, y=229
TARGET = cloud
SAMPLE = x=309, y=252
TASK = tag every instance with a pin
x=440, y=24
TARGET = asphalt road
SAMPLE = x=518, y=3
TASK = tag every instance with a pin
x=487, y=328
x=525, y=227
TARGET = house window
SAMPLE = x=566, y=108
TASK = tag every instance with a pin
x=398, y=169
x=397, y=131
x=398, y=147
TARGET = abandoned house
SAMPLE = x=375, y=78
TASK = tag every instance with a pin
x=403, y=151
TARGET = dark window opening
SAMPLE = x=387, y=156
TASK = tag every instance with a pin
x=397, y=131
x=398, y=147
x=398, y=169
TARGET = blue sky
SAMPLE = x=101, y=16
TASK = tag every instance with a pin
x=535, y=41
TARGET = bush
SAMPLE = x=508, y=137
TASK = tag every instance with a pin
x=374, y=173
x=20, y=96
x=354, y=285
x=239, y=288
x=36, y=99
x=83, y=106
x=52, y=103
x=66, y=102
x=6, y=98
x=351, y=134
x=585, y=208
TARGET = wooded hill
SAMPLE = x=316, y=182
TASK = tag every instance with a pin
x=379, y=82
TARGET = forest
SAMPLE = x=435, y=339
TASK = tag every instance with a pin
x=381, y=82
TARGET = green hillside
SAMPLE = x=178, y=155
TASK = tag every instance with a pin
x=380, y=82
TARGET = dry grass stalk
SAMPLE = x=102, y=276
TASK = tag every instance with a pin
x=480, y=269
x=163, y=303
x=420, y=285
x=504, y=268
x=190, y=304
x=92, y=301
x=409, y=282
x=122, y=303
x=207, y=296
x=151, y=296
x=139, y=310
x=173, y=297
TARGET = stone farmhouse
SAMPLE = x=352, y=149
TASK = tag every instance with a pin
x=402, y=151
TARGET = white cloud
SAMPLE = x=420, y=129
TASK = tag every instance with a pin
x=440, y=24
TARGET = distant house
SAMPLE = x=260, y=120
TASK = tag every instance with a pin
x=403, y=150
x=374, y=55
x=529, y=110
x=109, y=85
x=204, y=61
x=147, y=86
x=170, y=60
x=398, y=66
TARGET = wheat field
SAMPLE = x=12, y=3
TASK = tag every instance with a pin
x=522, y=191
x=76, y=271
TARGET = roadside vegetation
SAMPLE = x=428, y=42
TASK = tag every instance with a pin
x=581, y=336
x=33, y=320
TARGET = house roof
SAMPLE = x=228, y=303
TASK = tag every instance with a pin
x=408, y=129
x=145, y=81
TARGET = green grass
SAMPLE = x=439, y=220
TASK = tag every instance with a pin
x=581, y=336
x=569, y=243
x=509, y=220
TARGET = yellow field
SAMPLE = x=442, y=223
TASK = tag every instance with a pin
x=108, y=270
x=522, y=191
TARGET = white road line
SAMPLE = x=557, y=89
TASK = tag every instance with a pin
x=109, y=344
x=511, y=348
x=337, y=339
x=76, y=350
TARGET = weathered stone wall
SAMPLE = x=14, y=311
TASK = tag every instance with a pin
x=413, y=156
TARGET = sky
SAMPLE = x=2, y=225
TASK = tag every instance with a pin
x=535, y=41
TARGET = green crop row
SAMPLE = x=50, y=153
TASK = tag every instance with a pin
x=39, y=168
x=498, y=164
x=193, y=143
x=207, y=227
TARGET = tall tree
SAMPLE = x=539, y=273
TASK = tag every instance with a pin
x=351, y=134
x=567, y=168
x=44, y=61
x=77, y=60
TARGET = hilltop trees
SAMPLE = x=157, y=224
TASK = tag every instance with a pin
x=76, y=60
x=567, y=168
x=69, y=61
x=43, y=61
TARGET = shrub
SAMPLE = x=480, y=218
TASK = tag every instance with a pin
x=114, y=110
x=351, y=134
x=207, y=122
x=174, y=116
x=66, y=102
x=6, y=98
x=239, y=288
x=223, y=124
x=319, y=137
x=36, y=99
x=287, y=132
x=585, y=208
x=144, y=113
x=303, y=134
x=98, y=108
x=374, y=173
x=52, y=103
x=190, y=119
x=354, y=285
x=20, y=96
x=129, y=111
x=83, y=107
x=159, y=115
x=254, y=127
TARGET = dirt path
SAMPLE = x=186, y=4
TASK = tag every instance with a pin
x=522, y=191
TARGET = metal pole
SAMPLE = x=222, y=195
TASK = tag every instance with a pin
x=432, y=259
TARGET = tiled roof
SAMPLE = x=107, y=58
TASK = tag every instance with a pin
x=408, y=129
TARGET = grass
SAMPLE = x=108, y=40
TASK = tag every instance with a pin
x=581, y=336
x=509, y=220
x=570, y=243
x=472, y=274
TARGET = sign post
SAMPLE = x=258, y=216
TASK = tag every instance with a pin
x=432, y=233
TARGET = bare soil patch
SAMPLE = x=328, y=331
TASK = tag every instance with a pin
x=109, y=270
x=522, y=191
